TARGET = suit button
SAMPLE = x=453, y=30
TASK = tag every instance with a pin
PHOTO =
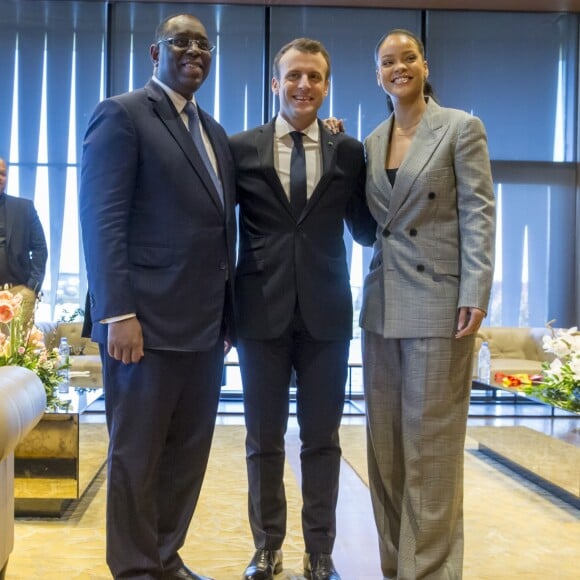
x=386, y=233
x=413, y=232
x=420, y=268
x=222, y=265
x=431, y=195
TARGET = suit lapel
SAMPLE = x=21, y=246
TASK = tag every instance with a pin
x=328, y=157
x=377, y=144
x=428, y=136
x=265, y=152
x=170, y=117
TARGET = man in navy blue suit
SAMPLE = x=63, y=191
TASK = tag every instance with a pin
x=159, y=237
x=23, y=251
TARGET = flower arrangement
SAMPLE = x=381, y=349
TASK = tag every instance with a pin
x=24, y=347
x=560, y=384
x=516, y=380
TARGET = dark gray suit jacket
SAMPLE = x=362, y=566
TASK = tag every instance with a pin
x=282, y=259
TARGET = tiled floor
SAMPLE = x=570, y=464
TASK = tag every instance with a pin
x=514, y=529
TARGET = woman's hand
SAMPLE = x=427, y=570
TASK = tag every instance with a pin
x=469, y=321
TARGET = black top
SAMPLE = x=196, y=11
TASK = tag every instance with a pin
x=392, y=175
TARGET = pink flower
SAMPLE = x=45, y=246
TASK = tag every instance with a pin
x=17, y=299
x=6, y=313
x=36, y=337
x=17, y=346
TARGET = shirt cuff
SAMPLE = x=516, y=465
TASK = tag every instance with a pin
x=117, y=318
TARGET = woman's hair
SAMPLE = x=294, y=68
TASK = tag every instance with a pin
x=427, y=88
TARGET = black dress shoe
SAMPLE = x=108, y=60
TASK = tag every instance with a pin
x=264, y=565
x=319, y=567
x=184, y=573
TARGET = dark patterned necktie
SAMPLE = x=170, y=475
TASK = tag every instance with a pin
x=193, y=122
x=297, y=175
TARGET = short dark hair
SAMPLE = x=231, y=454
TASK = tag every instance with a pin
x=161, y=30
x=302, y=45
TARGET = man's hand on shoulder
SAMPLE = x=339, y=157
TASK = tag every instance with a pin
x=334, y=125
x=125, y=340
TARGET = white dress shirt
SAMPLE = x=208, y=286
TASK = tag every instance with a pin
x=179, y=103
x=283, y=145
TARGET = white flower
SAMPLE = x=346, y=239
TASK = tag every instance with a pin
x=561, y=383
x=563, y=342
x=558, y=346
x=575, y=343
x=575, y=368
x=554, y=370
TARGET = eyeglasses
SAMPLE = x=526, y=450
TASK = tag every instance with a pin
x=184, y=43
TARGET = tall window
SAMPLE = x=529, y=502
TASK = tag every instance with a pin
x=520, y=80
x=233, y=92
x=51, y=66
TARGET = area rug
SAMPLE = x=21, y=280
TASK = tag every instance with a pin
x=513, y=528
x=219, y=543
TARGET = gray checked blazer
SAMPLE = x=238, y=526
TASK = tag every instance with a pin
x=436, y=227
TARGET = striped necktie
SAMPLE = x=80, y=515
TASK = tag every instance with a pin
x=194, y=128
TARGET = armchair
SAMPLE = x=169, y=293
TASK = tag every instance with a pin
x=22, y=403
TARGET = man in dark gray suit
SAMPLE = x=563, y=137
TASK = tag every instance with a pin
x=158, y=222
x=23, y=251
x=294, y=303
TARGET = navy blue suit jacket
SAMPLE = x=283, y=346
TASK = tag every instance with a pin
x=26, y=250
x=158, y=241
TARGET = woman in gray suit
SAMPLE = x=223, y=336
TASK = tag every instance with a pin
x=430, y=190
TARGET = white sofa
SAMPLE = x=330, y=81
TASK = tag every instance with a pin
x=22, y=403
x=513, y=350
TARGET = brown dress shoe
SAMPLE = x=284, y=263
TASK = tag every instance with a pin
x=264, y=565
x=319, y=567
